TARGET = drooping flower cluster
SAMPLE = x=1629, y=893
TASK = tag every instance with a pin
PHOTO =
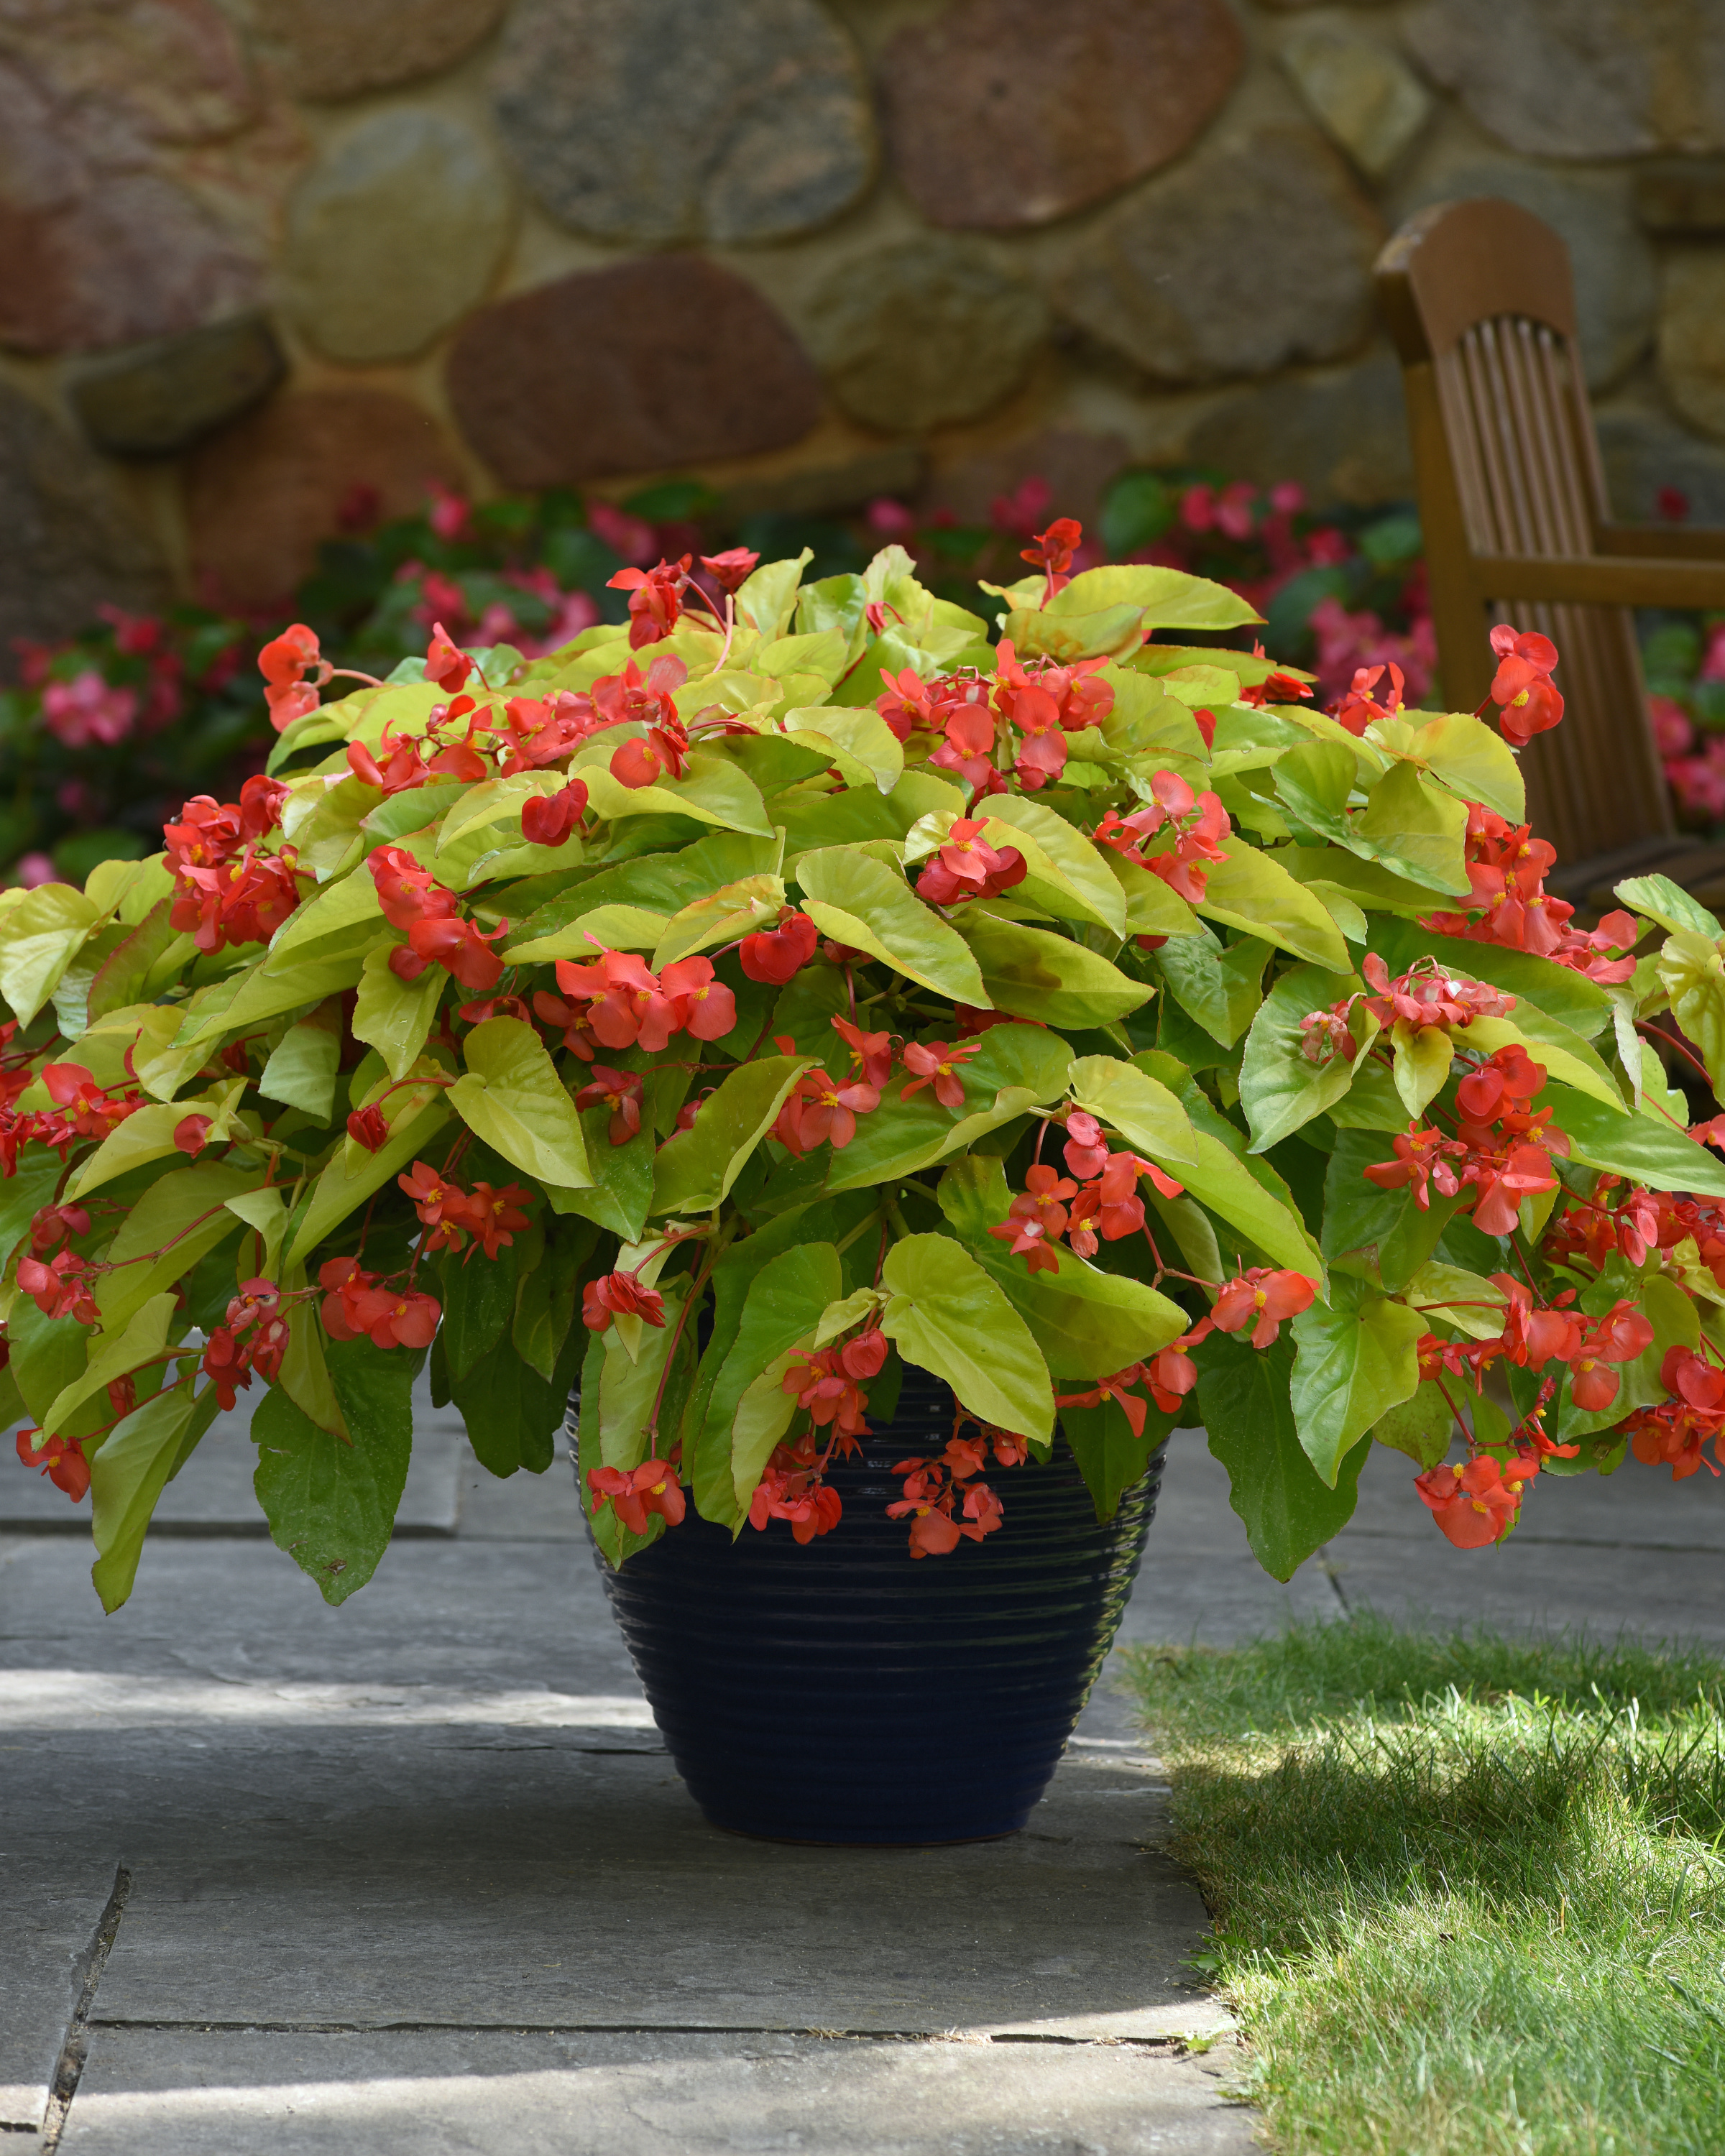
x=1508, y=905
x=1501, y=1153
x=413, y=901
x=1039, y=703
x=254, y=1336
x=492, y=1217
x=966, y=867
x=943, y=1501
x=635, y=1494
x=1522, y=687
x=617, y=1001
x=358, y=1304
x=1103, y=1201
x=226, y=889
x=1190, y=826
x=82, y=1109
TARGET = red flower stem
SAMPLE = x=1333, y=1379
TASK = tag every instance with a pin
x=670, y=1353
x=1466, y=1431
x=1659, y=1033
x=351, y=674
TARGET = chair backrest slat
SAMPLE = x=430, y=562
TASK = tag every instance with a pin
x=1478, y=297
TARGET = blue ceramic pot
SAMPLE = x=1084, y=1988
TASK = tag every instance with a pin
x=843, y=1691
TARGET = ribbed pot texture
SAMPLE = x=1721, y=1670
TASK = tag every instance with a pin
x=843, y=1691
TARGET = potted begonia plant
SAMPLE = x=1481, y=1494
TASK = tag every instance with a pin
x=895, y=1066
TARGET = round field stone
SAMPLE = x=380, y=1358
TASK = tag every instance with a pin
x=1691, y=337
x=122, y=70
x=1255, y=255
x=394, y=233
x=923, y=333
x=650, y=120
x=635, y=368
x=1005, y=113
x=261, y=494
x=156, y=400
x=136, y=257
x=1360, y=91
x=1581, y=78
x=71, y=542
x=336, y=48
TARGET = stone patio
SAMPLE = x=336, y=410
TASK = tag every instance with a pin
x=416, y=1875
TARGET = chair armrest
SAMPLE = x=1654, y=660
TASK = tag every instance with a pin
x=1664, y=542
x=1599, y=580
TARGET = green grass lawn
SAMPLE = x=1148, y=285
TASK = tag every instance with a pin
x=1469, y=1892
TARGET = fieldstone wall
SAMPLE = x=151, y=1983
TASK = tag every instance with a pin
x=265, y=262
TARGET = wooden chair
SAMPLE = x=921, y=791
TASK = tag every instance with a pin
x=1480, y=301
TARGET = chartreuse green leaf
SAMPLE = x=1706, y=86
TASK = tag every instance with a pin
x=1113, y=631
x=1152, y=908
x=1110, y=1459
x=713, y=790
x=511, y=1096
x=22, y=1194
x=1061, y=861
x=147, y=1134
x=1086, y=1321
x=392, y=1015
x=1289, y=1510
x=42, y=933
x=1644, y=1146
x=305, y=1374
x=1035, y=974
x=302, y=1066
x=1670, y=906
x=545, y=1297
x=1472, y=758
x=621, y=1194
x=1367, y=883
x=697, y=1167
x=127, y=1474
x=860, y=742
x=1314, y=780
x=766, y=599
x=178, y=1220
x=338, y=1192
x=947, y=1316
x=1016, y=1068
x=328, y=920
x=863, y=903
x=614, y=927
x=1691, y=971
x=1456, y=1297
x=151, y=957
x=1221, y=987
x=1166, y=598
x=628, y=1386
x=781, y=1312
x=1280, y=1089
x=1231, y=1191
x=331, y=1506
x=1141, y=1108
x=1423, y=1426
x=1352, y=1362
x=1423, y=1057
x=512, y=1413
x=1415, y=829
x=1252, y=892
x=736, y=909
x=113, y=1355
x=1384, y=1233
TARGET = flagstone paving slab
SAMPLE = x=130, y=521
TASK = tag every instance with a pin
x=445, y=1805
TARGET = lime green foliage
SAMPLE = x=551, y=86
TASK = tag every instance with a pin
x=685, y=1003
x=1467, y=1893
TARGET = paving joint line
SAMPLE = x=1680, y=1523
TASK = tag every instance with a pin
x=69, y=2067
x=1172, y=2040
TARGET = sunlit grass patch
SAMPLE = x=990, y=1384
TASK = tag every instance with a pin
x=1469, y=1892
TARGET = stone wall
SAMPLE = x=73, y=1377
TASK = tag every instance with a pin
x=267, y=265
